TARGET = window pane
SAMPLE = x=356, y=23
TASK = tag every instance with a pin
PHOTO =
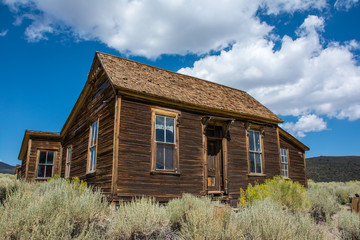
x=258, y=162
x=169, y=157
x=160, y=156
x=159, y=128
x=257, y=142
x=252, y=162
x=41, y=171
x=170, y=130
x=251, y=141
x=42, y=157
x=92, y=158
x=68, y=155
x=50, y=158
x=48, y=171
x=95, y=132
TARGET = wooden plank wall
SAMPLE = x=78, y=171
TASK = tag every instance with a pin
x=134, y=177
x=296, y=161
x=43, y=144
x=23, y=167
x=102, y=107
x=238, y=159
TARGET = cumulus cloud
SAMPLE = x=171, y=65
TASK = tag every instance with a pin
x=303, y=77
x=345, y=5
x=300, y=78
x=152, y=28
x=3, y=33
x=290, y=6
x=305, y=124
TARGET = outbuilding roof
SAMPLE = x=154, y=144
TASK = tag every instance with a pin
x=152, y=81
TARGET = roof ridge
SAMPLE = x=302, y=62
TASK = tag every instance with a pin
x=166, y=70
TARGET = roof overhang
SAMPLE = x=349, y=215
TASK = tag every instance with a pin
x=36, y=135
x=291, y=138
x=186, y=105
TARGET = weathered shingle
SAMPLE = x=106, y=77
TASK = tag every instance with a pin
x=129, y=75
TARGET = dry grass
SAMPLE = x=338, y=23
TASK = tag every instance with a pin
x=58, y=209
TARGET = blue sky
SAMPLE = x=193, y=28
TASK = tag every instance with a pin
x=301, y=59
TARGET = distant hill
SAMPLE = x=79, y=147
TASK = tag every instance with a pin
x=337, y=169
x=6, y=168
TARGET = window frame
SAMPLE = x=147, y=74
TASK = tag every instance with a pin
x=68, y=161
x=167, y=113
x=38, y=163
x=260, y=153
x=91, y=165
x=284, y=163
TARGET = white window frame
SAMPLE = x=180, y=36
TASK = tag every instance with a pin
x=255, y=152
x=68, y=161
x=45, y=164
x=93, y=142
x=284, y=162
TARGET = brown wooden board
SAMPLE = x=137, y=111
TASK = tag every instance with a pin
x=297, y=171
x=101, y=107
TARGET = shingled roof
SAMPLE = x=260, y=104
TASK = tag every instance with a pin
x=149, y=80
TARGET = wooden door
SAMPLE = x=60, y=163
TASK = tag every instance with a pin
x=215, y=165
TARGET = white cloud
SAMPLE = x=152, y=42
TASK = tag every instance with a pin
x=3, y=33
x=290, y=6
x=305, y=124
x=302, y=77
x=345, y=5
x=152, y=28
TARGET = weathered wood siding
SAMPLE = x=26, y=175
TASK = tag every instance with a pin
x=134, y=164
x=42, y=145
x=101, y=107
x=238, y=176
x=297, y=171
x=23, y=167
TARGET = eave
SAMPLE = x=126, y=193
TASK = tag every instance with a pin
x=291, y=138
x=29, y=134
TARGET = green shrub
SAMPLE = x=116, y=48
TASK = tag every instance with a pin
x=8, y=184
x=266, y=219
x=324, y=203
x=349, y=225
x=141, y=218
x=53, y=210
x=285, y=192
x=200, y=218
x=341, y=190
x=288, y=193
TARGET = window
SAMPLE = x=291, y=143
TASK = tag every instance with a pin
x=284, y=162
x=45, y=165
x=68, y=162
x=255, y=152
x=93, y=146
x=165, y=143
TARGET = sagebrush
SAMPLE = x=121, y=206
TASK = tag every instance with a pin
x=62, y=209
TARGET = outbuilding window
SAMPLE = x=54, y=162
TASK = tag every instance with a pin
x=68, y=162
x=45, y=164
x=165, y=141
x=284, y=162
x=255, y=152
x=93, y=146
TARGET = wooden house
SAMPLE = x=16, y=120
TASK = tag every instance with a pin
x=140, y=130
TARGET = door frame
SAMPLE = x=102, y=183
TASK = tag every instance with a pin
x=225, y=123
